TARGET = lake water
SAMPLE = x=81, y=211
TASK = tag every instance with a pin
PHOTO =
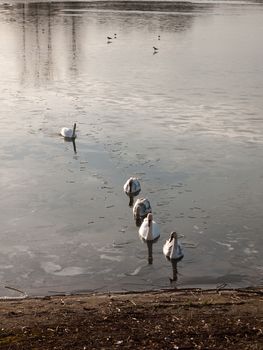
x=188, y=121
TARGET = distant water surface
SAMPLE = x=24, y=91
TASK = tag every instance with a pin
x=187, y=121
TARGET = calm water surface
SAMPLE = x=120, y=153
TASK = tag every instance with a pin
x=187, y=121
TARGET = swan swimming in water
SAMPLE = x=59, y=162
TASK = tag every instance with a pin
x=149, y=232
x=69, y=134
x=173, y=252
x=141, y=209
x=172, y=248
x=132, y=188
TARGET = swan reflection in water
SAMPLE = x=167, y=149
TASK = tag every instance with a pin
x=173, y=252
x=149, y=233
x=70, y=135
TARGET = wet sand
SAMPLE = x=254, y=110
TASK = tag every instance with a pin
x=173, y=319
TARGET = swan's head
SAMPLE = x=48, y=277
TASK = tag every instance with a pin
x=173, y=235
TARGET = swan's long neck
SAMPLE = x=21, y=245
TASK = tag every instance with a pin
x=74, y=130
x=130, y=185
x=150, y=230
x=137, y=216
x=137, y=211
x=174, y=249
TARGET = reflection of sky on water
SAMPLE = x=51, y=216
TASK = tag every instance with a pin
x=54, y=41
x=187, y=121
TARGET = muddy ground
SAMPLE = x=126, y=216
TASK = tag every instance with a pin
x=188, y=319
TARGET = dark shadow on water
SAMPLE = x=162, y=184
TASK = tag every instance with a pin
x=174, y=263
x=174, y=268
x=66, y=139
x=74, y=146
x=38, y=29
x=150, y=250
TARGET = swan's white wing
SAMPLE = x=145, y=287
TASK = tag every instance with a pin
x=179, y=251
x=167, y=247
x=126, y=186
x=170, y=252
x=144, y=229
x=66, y=132
x=144, y=205
x=135, y=187
x=155, y=230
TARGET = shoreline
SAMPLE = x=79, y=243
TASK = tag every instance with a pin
x=178, y=291
x=165, y=319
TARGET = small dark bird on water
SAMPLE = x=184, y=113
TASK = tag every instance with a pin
x=155, y=50
x=109, y=38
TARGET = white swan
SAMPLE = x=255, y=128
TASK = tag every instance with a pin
x=149, y=230
x=132, y=188
x=172, y=248
x=141, y=209
x=69, y=134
